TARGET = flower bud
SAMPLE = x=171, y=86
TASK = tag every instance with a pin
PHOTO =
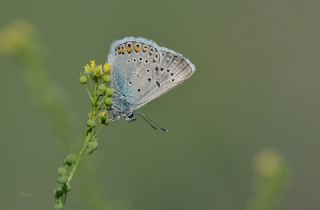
x=108, y=101
x=62, y=171
x=102, y=87
x=109, y=92
x=83, y=80
x=92, y=63
x=97, y=71
x=91, y=123
x=71, y=159
x=87, y=69
x=106, y=68
x=58, y=192
x=58, y=206
x=104, y=118
x=92, y=146
x=103, y=115
x=106, y=78
x=62, y=179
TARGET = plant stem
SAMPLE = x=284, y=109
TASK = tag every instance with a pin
x=80, y=155
x=90, y=135
x=98, y=118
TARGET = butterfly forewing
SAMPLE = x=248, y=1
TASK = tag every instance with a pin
x=173, y=70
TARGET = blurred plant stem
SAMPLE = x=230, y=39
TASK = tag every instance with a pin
x=20, y=42
x=90, y=187
x=272, y=178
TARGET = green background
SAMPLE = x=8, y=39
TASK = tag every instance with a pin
x=256, y=87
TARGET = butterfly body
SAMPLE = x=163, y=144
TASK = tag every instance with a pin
x=142, y=71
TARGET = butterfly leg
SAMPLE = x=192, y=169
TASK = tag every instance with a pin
x=114, y=116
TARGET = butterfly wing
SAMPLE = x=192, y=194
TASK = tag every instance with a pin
x=172, y=70
x=143, y=71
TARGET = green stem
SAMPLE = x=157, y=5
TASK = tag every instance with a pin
x=89, y=93
x=97, y=119
x=90, y=134
x=80, y=155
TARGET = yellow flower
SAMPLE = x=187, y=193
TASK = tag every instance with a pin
x=92, y=64
x=104, y=117
x=87, y=69
x=16, y=37
x=103, y=114
x=106, y=68
x=97, y=71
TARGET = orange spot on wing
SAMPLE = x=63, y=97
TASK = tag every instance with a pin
x=137, y=47
x=129, y=49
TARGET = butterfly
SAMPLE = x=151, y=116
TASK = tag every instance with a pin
x=141, y=72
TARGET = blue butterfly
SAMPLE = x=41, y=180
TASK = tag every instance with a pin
x=141, y=72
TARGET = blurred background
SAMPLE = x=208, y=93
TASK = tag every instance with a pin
x=244, y=130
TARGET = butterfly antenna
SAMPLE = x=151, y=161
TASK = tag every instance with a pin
x=153, y=124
